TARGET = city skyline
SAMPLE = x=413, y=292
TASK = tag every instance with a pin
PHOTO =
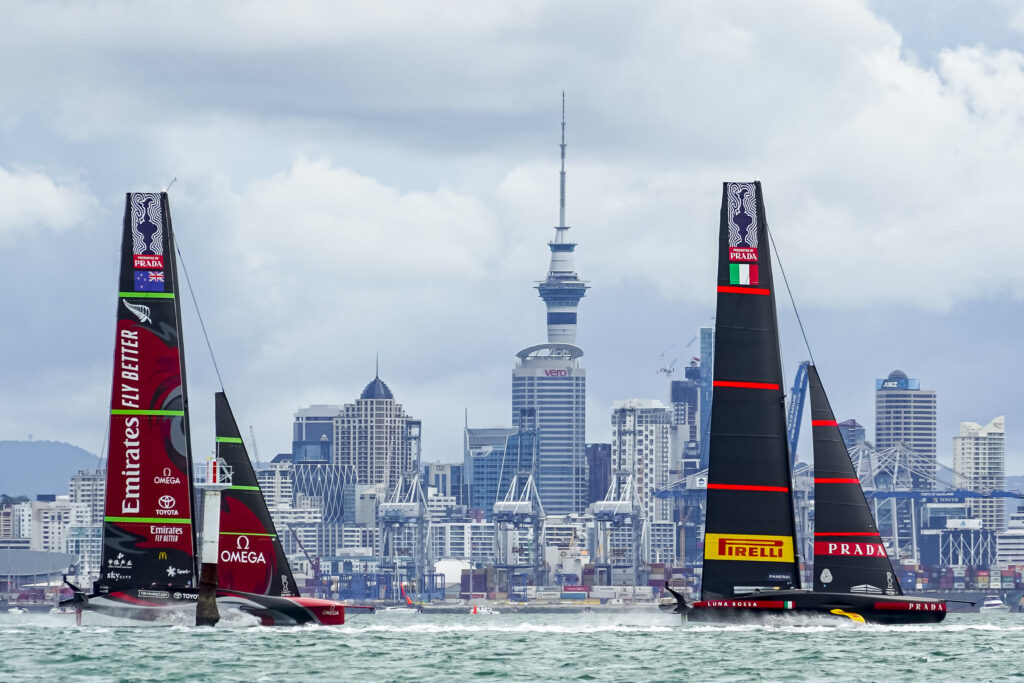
x=386, y=210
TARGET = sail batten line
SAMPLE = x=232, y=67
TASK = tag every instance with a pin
x=152, y=413
x=745, y=385
x=824, y=423
x=836, y=481
x=228, y=439
x=148, y=520
x=848, y=533
x=146, y=295
x=726, y=289
x=749, y=487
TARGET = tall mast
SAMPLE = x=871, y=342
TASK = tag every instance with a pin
x=561, y=175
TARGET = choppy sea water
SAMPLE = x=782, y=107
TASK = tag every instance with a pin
x=598, y=646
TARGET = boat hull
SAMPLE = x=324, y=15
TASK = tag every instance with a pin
x=151, y=605
x=876, y=609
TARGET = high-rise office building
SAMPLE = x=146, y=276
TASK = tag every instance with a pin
x=376, y=439
x=979, y=460
x=707, y=364
x=494, y=457
x=313, y=433
x=640, y=449
x=906, y=414
x=549, y=386
x=684, y=404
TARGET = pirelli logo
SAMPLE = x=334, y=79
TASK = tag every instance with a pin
x=749, y=548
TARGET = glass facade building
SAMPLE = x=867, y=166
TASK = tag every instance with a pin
x=493, y=458
x=549, y=392
x=905, y=414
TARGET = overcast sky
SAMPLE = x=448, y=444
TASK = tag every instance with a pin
x=362, y=177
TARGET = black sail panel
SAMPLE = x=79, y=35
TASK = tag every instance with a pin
x=749, y=541
x=848, y=553
x=250, y=555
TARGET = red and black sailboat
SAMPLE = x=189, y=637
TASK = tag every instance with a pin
x=149, y=558
x=751, y=566
x=254, y=575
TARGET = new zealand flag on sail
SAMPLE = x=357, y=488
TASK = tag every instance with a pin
x=149, y=281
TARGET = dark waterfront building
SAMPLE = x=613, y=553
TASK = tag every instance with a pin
x=599, y=468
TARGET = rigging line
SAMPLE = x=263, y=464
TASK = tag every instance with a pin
x=792, y=301
x=202, y=325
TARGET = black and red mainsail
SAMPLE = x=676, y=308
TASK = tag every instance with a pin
x=250, y=555
x=148, y=535
x=849, y=556
x=749, y=541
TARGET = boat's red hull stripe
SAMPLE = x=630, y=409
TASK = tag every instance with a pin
x=743, y=604
x=836, y=481
x=725, y=289
x=748, y=487
x=824, y=423
x=745, y=385
x=848, y=533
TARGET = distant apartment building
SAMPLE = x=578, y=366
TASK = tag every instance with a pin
x=640, y=453
x=906, y=414
x=979, y=460
x=852, y=432
x=88, y=487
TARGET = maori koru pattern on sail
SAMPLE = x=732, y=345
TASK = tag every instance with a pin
x=742, y=215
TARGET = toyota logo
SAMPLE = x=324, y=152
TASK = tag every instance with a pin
x=166, y=502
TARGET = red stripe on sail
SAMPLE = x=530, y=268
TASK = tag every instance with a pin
x=824, y=423
x=748, y=487
x=836, y=481
x=745, y=385
x=847, y=533
x=725, y=289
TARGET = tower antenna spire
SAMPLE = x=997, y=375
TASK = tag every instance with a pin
x=561, y=176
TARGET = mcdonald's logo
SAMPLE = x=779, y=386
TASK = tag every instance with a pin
x=162, y=555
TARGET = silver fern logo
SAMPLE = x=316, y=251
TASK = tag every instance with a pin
x=139, y=311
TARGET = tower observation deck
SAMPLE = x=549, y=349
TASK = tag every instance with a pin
x=563, y=289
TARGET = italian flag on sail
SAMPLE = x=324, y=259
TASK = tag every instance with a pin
x=742, y=273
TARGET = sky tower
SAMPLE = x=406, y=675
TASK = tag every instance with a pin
x=563, y=289
x=549, y=388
